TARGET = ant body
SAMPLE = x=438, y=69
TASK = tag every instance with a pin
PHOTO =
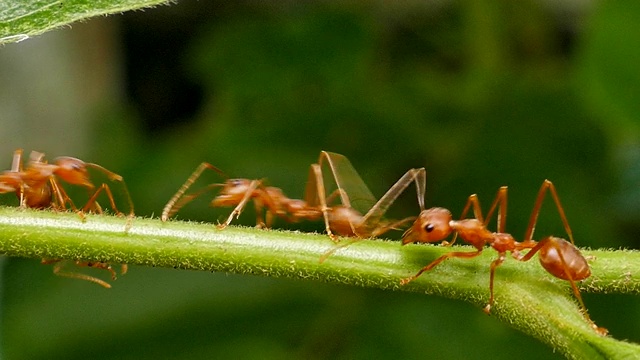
x=342, y=219
x=360, y=214
x=238, y=192
x=38, y=187
x=557, y=256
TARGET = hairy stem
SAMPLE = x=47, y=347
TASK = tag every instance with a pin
x=20, y=20
x=527, y=297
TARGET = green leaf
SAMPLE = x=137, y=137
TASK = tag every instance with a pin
x=20, y=20
x=527, y=297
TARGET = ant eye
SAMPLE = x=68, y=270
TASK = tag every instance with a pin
x=236, y=182
x=429, y=228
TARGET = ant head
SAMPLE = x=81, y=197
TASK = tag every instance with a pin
x=235, y=187
x=73, y=171
x=232, y=192
x=432, y=225
x=10, y=181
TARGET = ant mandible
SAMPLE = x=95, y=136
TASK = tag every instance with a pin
x=38, y=187
x=557, y=256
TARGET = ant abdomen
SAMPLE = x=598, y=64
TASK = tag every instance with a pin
x=343, y=220
x=37, y=198
x=562, y=259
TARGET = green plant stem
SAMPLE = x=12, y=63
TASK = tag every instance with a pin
x=527, y=297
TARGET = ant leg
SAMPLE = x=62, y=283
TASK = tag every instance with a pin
x=62, y=199
x=373, y=217
x=92, y=201
x=450, y=243
x=16, y=164
x=335, y=194
x=547, y=185
x=260, y=222
x=565, y=273
x=92, y=204
x=337, y=247
x=473, y=200
x=263, y=199
x=500, y=199
x=547, y=243
x=115, y=177
x=494, y=264
x=184, y=200
x=171, y=208
x=105, y=266
x=466, y=255
x=419, y=176
x=269, y=219
x=315, y=191
x=57, y=270
x=393, y=226
x=346, y=179
x=99, y=265
x=238, y=209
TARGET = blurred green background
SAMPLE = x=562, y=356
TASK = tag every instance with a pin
x=481, y=93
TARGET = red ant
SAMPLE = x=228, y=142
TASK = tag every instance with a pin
x=360, y=214
x=38, y=187
x=559, y=257
x=342, y=219
x=238, y=192
x=13, y=181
